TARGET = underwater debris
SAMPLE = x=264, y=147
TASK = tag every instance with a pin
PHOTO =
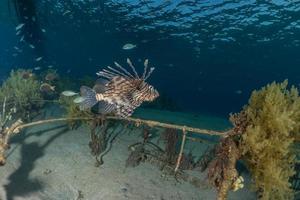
x=5, y=134
x=7, y=131
x=100, y=142
x=140, y=150
x=170, y=136
x=97, y=143
x=122, y=92
x=107, y=143
x=222, y=173
x=187, y=161
x=137, y=155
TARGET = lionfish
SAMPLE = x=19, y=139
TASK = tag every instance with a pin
x=119, y=91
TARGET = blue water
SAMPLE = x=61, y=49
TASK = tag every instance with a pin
x=209, y=55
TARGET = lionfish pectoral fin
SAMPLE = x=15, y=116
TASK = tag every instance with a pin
x=124, y=111
x=105, y=108
x=89, y=96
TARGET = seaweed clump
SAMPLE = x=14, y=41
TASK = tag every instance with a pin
x=73, y=111
x=21, y=90
x=273, y=117
x=262, y=136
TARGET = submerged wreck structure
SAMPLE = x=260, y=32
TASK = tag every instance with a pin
x=263, y=138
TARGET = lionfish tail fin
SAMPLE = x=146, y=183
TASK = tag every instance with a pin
x=89, y=96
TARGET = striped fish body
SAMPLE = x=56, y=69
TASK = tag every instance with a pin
x=121, y=93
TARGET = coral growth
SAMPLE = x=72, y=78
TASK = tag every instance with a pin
x=222, y=172
x=273, y=116
x=21, y=89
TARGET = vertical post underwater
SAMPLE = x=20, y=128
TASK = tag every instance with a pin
x=181, y=149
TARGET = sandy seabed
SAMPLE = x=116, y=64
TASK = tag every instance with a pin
x=52, y=162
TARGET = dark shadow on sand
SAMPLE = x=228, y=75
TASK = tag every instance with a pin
x=19, y=182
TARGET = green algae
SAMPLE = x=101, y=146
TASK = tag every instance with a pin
x=21, y=90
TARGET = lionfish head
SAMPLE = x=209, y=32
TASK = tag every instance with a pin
x=145, y=92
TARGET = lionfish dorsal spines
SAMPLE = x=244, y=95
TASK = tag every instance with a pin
x=121, y=71
x=128, y=74
x=149, y=73
x=145, y=68
x=132, y=67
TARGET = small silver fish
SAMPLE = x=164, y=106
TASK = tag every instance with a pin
x=37, y=68
x=19, y=26
x=78, y=99
x=129, y=46
x=45, y=87
x=31, y=46
x=38, y=59
x=69, y=93
x=66, y=12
